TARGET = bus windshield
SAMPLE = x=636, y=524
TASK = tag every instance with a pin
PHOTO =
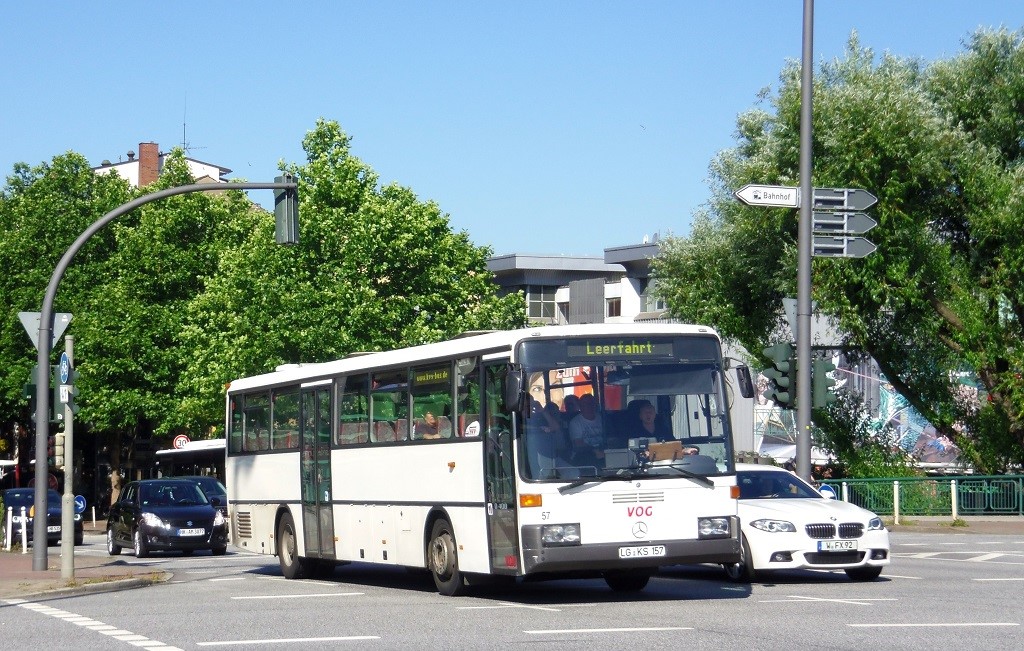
x=656, y=408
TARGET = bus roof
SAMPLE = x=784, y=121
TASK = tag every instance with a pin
x=488, y=342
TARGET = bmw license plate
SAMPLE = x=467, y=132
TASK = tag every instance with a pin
x=837, y=545
x=647, y=551
x=191, y=532
x=53, y=528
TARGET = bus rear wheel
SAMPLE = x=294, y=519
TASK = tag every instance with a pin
x=293, y=566
x=443, y=560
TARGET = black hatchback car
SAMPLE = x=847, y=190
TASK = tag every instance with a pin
x=16, y=498
x=166, y=515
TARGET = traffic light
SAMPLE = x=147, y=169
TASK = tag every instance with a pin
x=782, y=374
x=51, y=451
x=58, y=451
x=286, y=212
x=56, y=406
x=73, y=390
x=821, y=383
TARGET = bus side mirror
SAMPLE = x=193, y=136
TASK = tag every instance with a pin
x=743, y=379
x=513, y=389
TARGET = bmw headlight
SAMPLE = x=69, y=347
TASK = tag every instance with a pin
x=774, y=526
x=218, y=518
x=152, y=520
x=559, y=535
x=875, y=524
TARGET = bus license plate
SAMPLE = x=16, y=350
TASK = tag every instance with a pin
x=191, y=532
x=837, y=545
x=647, y=551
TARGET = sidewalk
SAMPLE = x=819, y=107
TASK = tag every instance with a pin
x=1005, y=525
x=92, y=573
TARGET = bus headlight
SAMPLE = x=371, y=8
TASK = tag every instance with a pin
x=560, y=535
x=717, y=527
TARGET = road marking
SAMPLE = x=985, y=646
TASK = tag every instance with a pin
x=900, y=576
x=853, y=602
x=229, y=578
x=1013, y=578
x=571, y=631
x=86, y=622
x=301, y=596
x=985, y=557
x=291, y=640
x=935, y=625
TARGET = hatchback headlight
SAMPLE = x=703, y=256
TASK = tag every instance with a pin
x=875, y=524
x=152, y=520
x=218, y=518
x=774, y=526
x=560, y=535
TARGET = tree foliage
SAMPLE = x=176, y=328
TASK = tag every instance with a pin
x=182, y=295
x=941, y=299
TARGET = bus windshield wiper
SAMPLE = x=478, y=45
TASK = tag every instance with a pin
x=620, y=475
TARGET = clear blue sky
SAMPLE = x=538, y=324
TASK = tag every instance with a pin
x=538, y=126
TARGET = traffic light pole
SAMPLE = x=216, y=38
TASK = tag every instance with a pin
x=805, y=240
x=286, y=214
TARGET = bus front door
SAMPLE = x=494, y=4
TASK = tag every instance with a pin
x=500, y=477
x=317, y=510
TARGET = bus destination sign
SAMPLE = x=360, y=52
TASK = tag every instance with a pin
x=621, y=349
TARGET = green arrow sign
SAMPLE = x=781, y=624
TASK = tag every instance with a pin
x=842, y=199
x=837, y=223
x=842, y=247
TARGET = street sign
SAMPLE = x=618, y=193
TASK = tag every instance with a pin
x=180, y=441
x=836, y=223
x=780, y=196
x=841, y=247
x=79, y=503
x=65, y=367
x=842, y=199
x=30, y=321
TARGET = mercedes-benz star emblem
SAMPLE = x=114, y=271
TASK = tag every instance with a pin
x=640, y=530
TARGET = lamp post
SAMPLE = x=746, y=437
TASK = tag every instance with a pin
x=286, y=218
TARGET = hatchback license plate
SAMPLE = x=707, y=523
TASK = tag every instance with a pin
x=837, y=545
x=646, y=551
x=191, y=532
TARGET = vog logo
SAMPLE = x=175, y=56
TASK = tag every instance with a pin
x=639, y=511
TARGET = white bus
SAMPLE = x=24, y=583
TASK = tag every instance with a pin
x=467, y=457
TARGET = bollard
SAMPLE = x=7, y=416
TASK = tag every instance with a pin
x=953, y=498
x=24, y=531
x=895, y=502
x=9, y=516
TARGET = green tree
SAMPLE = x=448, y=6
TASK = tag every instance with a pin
x=940, y=145
x=375, y=268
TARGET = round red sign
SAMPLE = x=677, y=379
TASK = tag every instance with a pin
x=180, y=440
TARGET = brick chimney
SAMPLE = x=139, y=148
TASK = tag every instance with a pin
x=149, y=163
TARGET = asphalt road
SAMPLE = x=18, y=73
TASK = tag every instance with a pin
x=941, y=591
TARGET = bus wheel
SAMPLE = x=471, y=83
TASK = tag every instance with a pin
x=444, y=560
x=628, y=581
x=292, y=565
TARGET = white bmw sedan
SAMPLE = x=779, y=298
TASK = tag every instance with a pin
x=787, y=524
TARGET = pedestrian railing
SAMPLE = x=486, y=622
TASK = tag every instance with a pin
x=952, y=496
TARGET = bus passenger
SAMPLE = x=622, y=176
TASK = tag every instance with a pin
x=429, y=428
x=586, y=432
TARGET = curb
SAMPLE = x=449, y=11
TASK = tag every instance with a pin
x=95, y=585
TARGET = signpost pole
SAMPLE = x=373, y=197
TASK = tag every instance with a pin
x=67, y=502
x=804, y=242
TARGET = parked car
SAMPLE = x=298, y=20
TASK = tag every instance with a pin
x=17, y=498
x=165, y=514
x=787, y=524
x=215, y=491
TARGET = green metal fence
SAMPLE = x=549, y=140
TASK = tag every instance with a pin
x=953, y=496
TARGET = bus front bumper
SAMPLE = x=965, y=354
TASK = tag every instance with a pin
x=623, y=555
